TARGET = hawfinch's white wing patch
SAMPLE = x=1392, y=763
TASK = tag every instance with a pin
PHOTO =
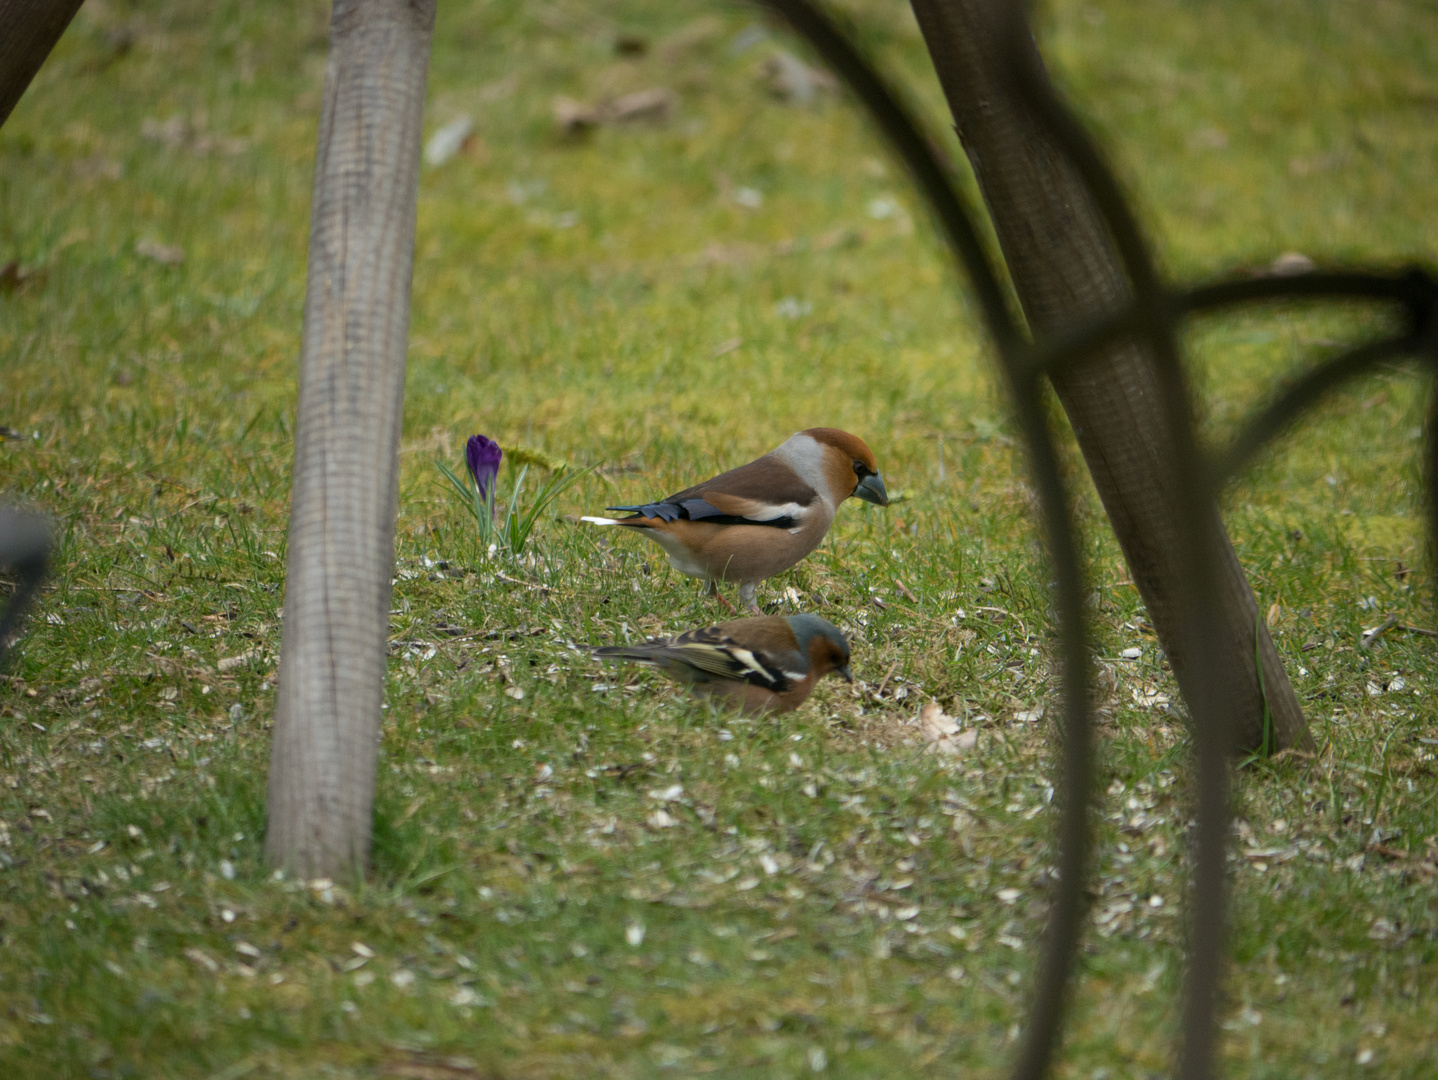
x=770, y=513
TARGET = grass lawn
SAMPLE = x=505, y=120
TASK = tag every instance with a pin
x=578, y=871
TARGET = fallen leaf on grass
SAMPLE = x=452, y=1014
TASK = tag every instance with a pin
x=161, y=253
x=171, y=132
x=1291, y=264
x=1270, y=854
x=1388, y=852
x=656, y=103
x=182, y=132
x=98, y=166
x=203, y=959
x=1209, y=138
x=1383, y=929
x=942, y=731
x=935, y=724
x=661, y=819
x=448, y=140
x=792, y=80
x=577, y=117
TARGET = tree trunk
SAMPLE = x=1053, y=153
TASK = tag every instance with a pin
x=28, y=31
x=342, y=515
x=1065, y=270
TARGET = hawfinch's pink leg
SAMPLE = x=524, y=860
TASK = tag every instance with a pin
x=713, y=590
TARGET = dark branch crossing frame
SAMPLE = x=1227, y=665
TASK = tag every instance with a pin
x=1151, y=318
x=28, y=31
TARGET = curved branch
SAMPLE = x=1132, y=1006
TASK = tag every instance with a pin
x=1066, y=913
x=29, y=29
x=1152, y=317
x=1412, y=287
x=1274, y=417
x=1207, y=687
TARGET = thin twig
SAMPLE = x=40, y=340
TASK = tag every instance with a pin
x=518, y=581
x=885, y=681
x=1000, y=611
x=1368, y=637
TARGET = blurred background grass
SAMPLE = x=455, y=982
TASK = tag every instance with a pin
x=669, y=299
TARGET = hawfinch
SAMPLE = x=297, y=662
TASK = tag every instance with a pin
x=758, y=520
x=763, y=664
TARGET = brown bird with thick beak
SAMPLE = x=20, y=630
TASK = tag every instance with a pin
x=753, y=522
x=764, y=664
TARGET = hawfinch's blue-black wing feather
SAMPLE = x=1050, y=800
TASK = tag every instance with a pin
x=662, y=510
x=764, y=492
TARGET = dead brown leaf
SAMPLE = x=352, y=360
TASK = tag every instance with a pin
x=653, y=105
x=168, y=254
x=942, y=731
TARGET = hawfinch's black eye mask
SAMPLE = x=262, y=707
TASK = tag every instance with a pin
x=870, y=487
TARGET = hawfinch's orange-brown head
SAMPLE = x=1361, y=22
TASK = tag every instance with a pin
x=850, y=464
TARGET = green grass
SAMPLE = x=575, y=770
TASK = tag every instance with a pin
x=829, y=896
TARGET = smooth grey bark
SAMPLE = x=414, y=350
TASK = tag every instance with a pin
x=1065, y=269
x=28, y=31
x=345, y=494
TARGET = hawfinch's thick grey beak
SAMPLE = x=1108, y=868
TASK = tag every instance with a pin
x=871, y=489
x=844, y=673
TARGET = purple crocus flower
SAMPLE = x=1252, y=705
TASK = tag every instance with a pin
x=483, y=456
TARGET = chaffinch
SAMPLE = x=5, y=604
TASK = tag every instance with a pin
x=753, y=522
x=763, y=664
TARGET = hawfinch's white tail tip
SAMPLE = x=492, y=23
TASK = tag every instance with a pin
x=600, y=520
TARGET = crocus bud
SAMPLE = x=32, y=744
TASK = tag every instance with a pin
x=483, y=456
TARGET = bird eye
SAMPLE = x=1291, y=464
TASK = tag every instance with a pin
x=861, y=470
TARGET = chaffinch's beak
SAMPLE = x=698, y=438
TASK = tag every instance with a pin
x=871, y=489
x=844, y=673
